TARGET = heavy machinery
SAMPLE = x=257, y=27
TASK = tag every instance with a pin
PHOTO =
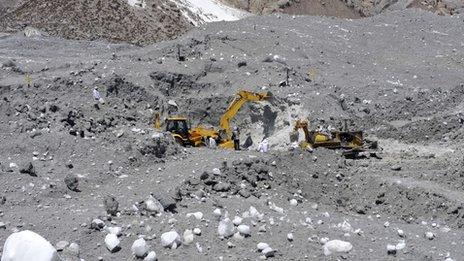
x=224, y=123
x=351, y=142
x=182, y=132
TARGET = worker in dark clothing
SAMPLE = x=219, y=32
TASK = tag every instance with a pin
x=236, y=138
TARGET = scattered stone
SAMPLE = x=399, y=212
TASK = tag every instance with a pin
x=151, y=256
x=290, y=237
x=261, y=246
x=197, y=231
x=391, y=249
x=31, y=32
x=226, y=228
x=429, y=235
x=199, y=248
x=237, y=220
x=112, y=243
x=268, y=252
x=400, y=233
x=73, y=249
x=27, y=245
x=153, y=206
x=216, y=171
x=139, y=248
x=111, y=205
x=217, y=213
x=196, y=215
x=337, y=246
x=167, y=202
x=188, y=237
x=61, y=245
x=97, y=224
x=28, y=168
x=170, y=239
x=401, y=245
x=396, y=167
x=244, y=230
x=222, y=187
x=72, y=182
x=2, y=225
x=114, y=230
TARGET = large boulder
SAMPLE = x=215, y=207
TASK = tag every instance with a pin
x=26, y=246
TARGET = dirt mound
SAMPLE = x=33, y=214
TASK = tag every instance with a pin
x=244, y=178
x=335, y=8
x=102, y=19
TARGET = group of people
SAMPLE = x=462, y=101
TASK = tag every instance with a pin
x=210, y=142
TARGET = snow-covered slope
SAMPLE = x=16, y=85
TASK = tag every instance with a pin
x=203, y=11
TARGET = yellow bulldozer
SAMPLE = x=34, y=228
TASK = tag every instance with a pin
x=351, y=142
x=180, y=128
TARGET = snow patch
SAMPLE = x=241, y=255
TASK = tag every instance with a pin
x=137, y=3
x=203, y=11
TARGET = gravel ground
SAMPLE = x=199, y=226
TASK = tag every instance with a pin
x=397, y=76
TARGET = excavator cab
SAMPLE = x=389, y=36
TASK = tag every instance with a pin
x=179, y=129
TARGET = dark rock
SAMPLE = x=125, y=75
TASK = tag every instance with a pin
x=396, y=167
x=204, y=175
x=28, y=168
x=111, y=205
x=222, y=187
x=210, y=182
x=72, y=183
x=168, y=202
x=248, y=142
x=241, y=64
x=2, y=200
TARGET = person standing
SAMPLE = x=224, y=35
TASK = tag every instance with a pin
x=236, y=138
x=212, y=143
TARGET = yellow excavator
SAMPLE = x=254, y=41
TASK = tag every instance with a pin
x=224, y=124
x=182, y=132
x=351, y=142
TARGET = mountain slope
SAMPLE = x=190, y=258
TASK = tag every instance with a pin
x=114, y=20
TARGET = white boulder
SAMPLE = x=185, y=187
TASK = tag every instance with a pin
x=112, y=242
x=27, y=245
x=139, y=247
x=153, y=206
x=170, y=239
x=261, y=246
x=226, y=228
x=151, y=256
x=337, y=246
x=244, y=230
x=197, y=215
x=429, y=235
x=114, y=230
x=188, y=237
x=197, y=231
x=237, y=220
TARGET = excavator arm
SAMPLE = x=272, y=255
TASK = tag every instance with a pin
x=237, y=103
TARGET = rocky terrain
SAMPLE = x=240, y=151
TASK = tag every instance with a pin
x=346, y=8
x=98, y=182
